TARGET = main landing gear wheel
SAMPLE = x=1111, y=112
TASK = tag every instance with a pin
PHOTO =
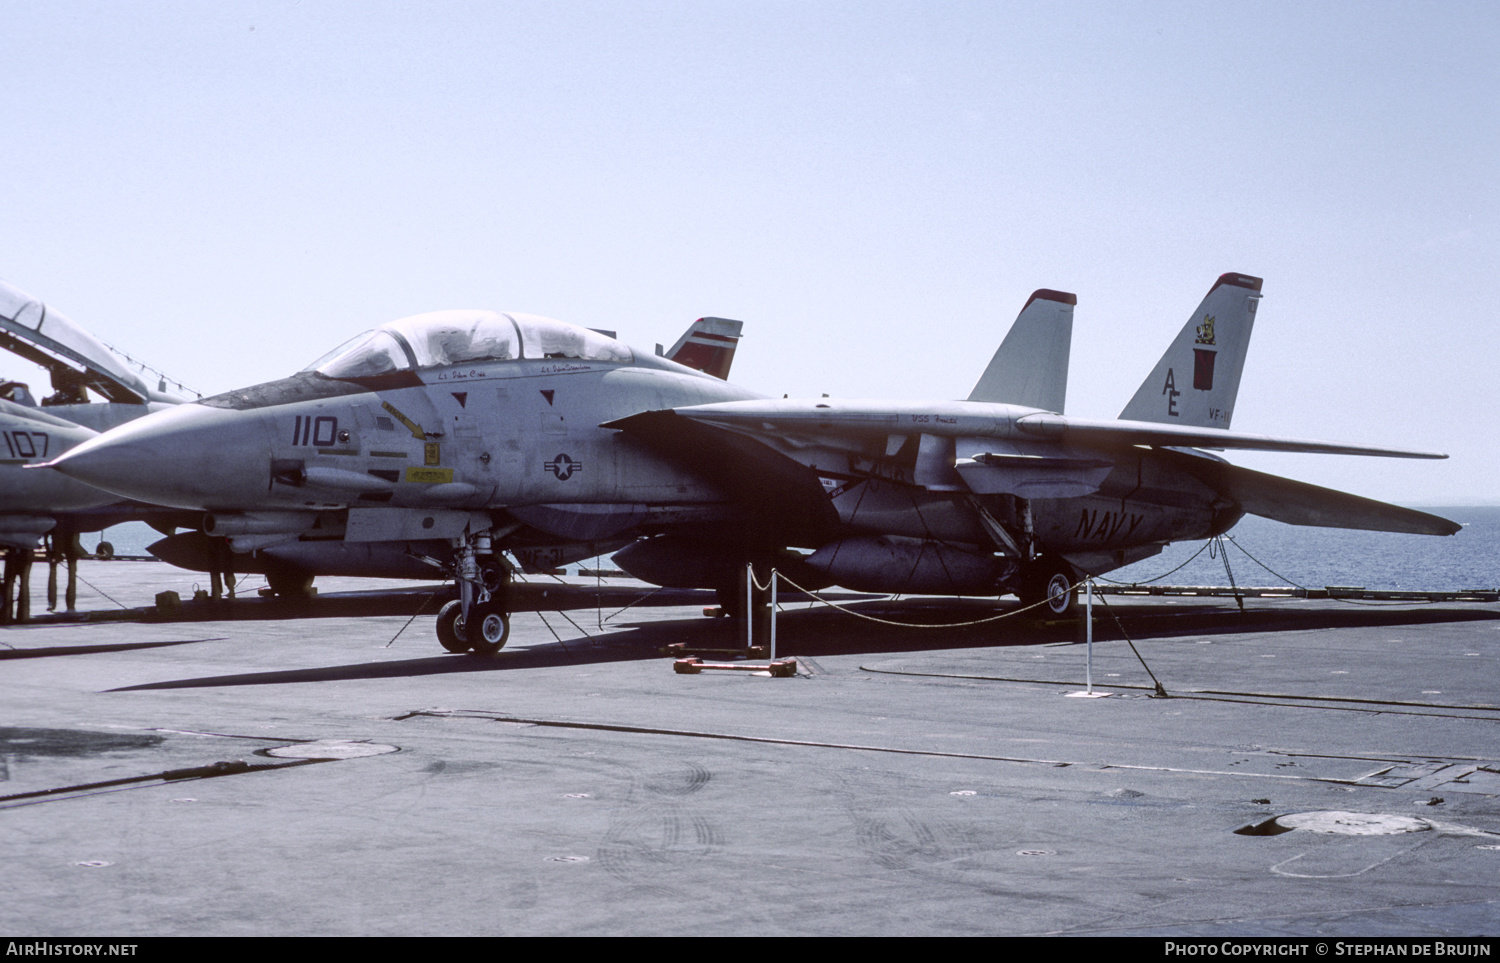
x=1050, y=581
x=731, y=604
x=289, y=584
x=450, y=627
x=488, y=628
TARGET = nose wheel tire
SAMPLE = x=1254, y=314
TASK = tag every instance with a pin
x=450, y=627
x=488, y=628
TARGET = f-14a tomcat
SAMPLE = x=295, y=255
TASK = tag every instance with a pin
x=486, y=432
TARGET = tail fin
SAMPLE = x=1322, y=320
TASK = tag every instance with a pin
x=1196, y=381
x=1031, y=365
x=707, y=345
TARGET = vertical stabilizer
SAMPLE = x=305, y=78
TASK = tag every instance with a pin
x=1030, y=367
x=708, y=345
x=1196, y=381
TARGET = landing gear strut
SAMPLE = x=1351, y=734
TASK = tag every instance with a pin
x=478, y=621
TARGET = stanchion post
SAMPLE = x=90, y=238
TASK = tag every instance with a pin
x=773, y=615
x=1088, y=620
x=747, y=607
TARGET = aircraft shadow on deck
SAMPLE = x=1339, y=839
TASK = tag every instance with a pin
x=56, y=650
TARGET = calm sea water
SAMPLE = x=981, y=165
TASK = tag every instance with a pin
x=1315, y=557
x=1312, y=557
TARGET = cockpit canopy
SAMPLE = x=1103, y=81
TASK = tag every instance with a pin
x=464, y=337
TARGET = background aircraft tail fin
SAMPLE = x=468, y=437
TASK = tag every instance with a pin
x=1196, y=381
x=1030, y=367
x=708, y=346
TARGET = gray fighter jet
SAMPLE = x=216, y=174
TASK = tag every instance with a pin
x=487, y=432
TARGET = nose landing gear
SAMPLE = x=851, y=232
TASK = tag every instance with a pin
x=478, y=621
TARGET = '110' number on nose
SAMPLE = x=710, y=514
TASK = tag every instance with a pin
x=319, y=432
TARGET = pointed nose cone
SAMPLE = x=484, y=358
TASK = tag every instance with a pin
x=190, y=456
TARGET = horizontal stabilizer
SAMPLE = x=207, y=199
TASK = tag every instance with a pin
x=1030, y=367
x=1298, y=503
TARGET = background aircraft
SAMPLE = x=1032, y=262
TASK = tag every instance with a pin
x=492, y=432
x=42, y=505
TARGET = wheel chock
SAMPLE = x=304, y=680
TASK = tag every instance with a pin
x=683, y=649
x=781, y=668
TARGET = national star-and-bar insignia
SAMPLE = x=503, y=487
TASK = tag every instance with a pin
x=563, y=467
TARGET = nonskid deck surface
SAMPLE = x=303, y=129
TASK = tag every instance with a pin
x=909, y=780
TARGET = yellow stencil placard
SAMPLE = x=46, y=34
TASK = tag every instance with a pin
x=429, y=475
x=433, y=454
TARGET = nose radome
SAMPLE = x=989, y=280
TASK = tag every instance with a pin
x=190, y=456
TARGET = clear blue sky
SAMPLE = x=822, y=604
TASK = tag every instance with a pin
x=227, y=190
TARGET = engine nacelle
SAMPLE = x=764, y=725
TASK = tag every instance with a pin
x=259, y=523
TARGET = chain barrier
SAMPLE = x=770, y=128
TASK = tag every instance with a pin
x=1161, y=691
x=1295, y=584
x=1158, y=578
x=904, y=625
